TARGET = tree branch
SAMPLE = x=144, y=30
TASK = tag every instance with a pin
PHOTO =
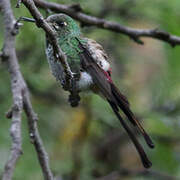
x=9, y=55
x=20, y=100
x=58, y=53
x=85, y=19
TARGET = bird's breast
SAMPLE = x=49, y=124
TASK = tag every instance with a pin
x=56, y=68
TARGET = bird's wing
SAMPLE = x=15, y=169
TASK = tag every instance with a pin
x=92, y=66
x=103, y=81
x=99, y=57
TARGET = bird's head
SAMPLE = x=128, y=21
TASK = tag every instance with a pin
x=63, y=25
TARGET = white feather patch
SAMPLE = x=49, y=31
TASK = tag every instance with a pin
x=85, y=81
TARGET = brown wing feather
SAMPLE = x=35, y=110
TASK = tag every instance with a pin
x=97, y=74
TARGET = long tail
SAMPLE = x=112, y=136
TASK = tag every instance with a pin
x=139, y=148
x=116, y=100
x=124, y=105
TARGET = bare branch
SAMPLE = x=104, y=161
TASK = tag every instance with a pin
x=58, y=53
x=85, y=19
x=20, y=99
x=9, y=55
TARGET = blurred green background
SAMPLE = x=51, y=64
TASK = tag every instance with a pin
x=88, y=142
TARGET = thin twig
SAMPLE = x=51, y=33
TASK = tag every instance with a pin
x=85, y=19
x=58, y=53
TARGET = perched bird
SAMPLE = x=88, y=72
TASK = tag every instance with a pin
x=89, y=64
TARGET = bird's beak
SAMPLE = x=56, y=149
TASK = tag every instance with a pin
x=30, y=20
x=26, y=19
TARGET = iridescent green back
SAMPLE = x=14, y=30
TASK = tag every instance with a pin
x=70, y=46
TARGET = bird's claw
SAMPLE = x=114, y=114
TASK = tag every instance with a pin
x=74, y=97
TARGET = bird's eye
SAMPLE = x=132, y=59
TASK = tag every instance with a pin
x=61, y=24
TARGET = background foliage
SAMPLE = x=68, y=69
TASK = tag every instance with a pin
x=88, y=141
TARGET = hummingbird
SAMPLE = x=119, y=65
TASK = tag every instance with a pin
x=90, y=66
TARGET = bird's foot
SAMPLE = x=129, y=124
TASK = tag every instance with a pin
x=74, y=99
